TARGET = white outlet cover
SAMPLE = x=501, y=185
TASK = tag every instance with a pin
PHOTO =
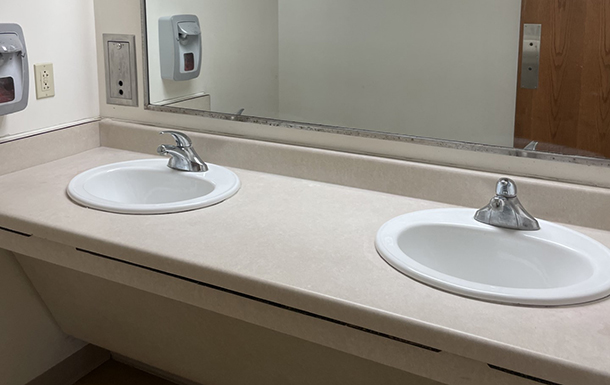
x=45, y=80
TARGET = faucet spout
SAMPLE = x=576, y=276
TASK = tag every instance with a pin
x=183, y=156
x=505, y=210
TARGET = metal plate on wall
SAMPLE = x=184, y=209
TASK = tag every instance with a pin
x=530, y=60
x=120, y=63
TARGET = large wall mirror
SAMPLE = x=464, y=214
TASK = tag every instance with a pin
x=531, y=75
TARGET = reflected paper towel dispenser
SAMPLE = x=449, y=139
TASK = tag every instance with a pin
x=180, y=47
x=14, y=76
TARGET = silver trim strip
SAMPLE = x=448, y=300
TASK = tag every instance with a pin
x=530, y=56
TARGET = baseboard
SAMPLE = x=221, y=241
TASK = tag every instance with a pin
x=73, y=368
x=152, y=370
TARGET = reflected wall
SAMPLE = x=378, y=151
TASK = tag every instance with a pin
x=432, y=68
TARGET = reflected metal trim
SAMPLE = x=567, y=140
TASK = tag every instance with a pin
x=357, y=132
x=530, y=56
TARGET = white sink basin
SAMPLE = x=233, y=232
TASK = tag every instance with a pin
x=451, y=251
x=150, y=187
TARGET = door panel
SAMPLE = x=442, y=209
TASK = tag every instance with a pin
x=570, y=110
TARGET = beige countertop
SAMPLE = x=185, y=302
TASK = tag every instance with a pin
x=310, y=245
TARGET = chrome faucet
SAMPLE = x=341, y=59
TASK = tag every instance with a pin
x=531, y=146
x=505, y=210
x=238, y=114
x=183, y=156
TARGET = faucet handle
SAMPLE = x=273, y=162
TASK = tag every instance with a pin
x=506, y=188
x=182, y=140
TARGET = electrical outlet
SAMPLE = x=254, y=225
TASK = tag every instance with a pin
x=45, y=82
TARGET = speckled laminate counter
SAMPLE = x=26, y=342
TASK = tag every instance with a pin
x=309, y=245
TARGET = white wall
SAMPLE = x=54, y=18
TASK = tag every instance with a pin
x=239, y=54
x=61, y=32
x=434, y=68
x=30, y=339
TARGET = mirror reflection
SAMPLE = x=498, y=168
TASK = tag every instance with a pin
x=531, y=74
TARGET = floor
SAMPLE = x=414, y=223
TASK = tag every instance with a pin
x=114, y=373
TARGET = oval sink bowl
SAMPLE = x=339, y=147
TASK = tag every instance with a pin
x=449, y=250
x=148, y=186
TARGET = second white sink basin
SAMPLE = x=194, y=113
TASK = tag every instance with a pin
x=449, y=250
x=148, y=186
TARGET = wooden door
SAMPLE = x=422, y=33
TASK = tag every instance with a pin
x=570, y=111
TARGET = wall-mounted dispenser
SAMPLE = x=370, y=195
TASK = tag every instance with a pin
x=14, y=75
x=180, y=47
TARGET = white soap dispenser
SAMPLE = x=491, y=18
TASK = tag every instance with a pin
x=14, y=75
x=180, y=47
